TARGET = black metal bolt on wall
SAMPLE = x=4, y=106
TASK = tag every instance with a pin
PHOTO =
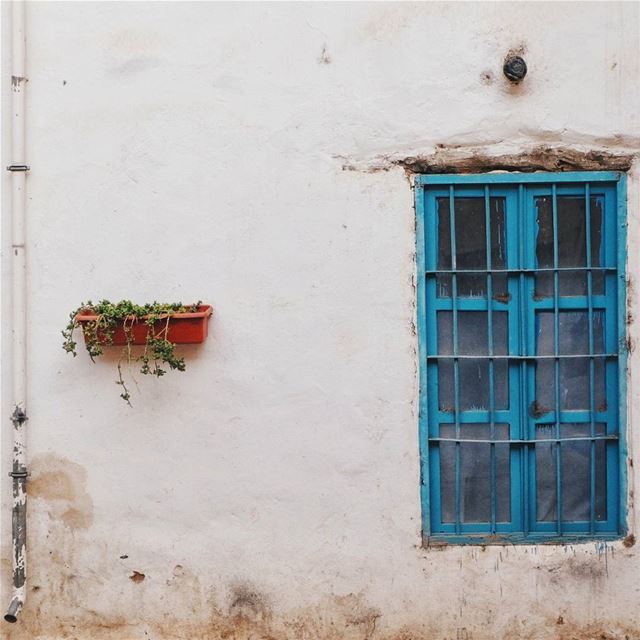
x=515, y=68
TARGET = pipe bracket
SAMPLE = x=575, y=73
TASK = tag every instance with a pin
x=18, y=474
x=18, y=416
x=18, y=167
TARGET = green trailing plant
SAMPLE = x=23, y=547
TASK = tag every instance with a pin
x=155, y=357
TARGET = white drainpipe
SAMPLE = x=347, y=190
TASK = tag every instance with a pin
x=19, y=352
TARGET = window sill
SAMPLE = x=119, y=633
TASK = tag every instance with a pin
x=502, y=540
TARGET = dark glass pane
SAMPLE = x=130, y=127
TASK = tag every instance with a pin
x=471, y=248
x=475, y=474
x=574, y=384
x=546, y=502
x=572, y=246
x=574, y=372
x=545, y=399
x=575, y=488
x=573, y=332
x=473, y=374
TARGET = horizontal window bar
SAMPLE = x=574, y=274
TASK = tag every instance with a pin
x=565, y=303
x=483, y=416
x=473, y=416
x=611, y=436
x=514, y=357
x=569, y=303
x=518, y=178
x=570, y=416
x=444, y=272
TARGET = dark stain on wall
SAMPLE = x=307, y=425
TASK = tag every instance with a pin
x=247, y=604
x=61, y=483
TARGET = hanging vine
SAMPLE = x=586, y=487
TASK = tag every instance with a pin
x=155, y=357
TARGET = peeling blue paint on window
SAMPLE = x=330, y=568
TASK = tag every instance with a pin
x=521, y=318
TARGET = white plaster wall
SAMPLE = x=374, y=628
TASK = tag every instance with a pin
x=196, y=151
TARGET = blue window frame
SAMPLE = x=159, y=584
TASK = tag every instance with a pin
x=521, y=327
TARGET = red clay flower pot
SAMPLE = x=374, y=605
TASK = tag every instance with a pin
x=180, y=328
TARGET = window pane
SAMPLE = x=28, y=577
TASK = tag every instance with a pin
x=573, y=332
x=574, y=384
x=574, y=372
x=475, y=474
x=473, y=373
x=576, y=474
x=471, y=248
x=572, y=246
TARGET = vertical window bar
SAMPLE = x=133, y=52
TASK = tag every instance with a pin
x=618, y=242
x=487, y=218
x=524, y=435
x=456, y=372
x=592, y=454
x=556, y=360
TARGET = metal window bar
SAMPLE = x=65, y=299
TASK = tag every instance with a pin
x=524, y=418
x=525, y=357
x=529, y=441
x=556, y=352
x=456, y=372
x=592, y=409
x=524, y=270
x=492, y=422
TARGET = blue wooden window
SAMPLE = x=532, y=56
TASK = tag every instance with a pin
x=521, y=316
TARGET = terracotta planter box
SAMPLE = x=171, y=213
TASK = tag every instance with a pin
x=184, y=328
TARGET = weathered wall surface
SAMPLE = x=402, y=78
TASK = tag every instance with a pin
x=252, y=155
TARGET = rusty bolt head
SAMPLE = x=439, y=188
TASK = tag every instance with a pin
x=515, y=68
